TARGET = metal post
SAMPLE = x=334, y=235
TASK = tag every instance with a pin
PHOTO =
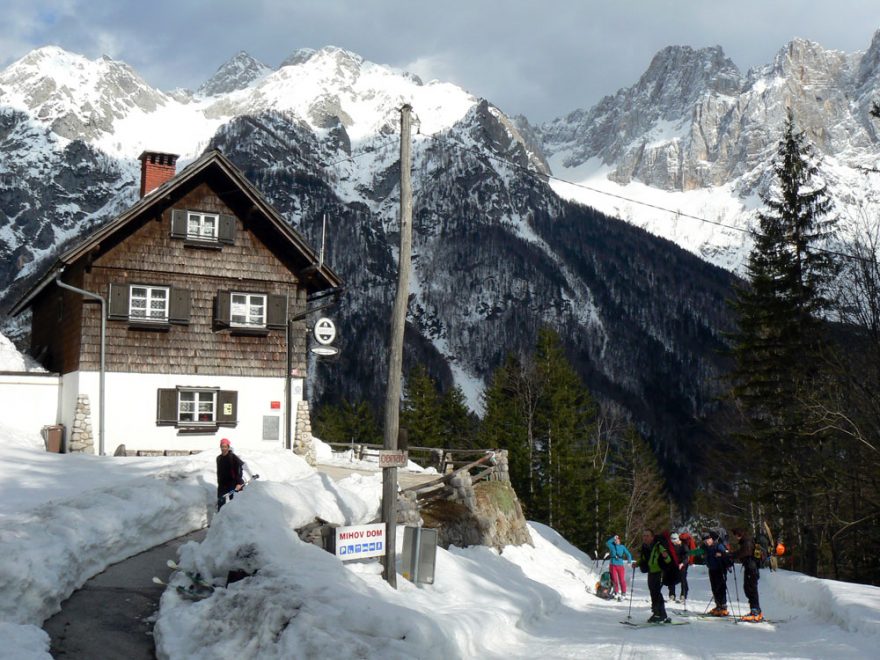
x=89, y=294
x=395, y=359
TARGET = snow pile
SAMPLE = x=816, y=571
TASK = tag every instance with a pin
x=300, y=601
x=12, y=360
x=853, y=607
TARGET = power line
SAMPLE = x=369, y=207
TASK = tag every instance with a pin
x=543, y=177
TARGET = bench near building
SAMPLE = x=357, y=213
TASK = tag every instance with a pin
x=204, y=288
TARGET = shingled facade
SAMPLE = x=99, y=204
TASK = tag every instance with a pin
x=201, y=279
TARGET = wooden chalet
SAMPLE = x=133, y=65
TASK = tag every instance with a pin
x=202, y=282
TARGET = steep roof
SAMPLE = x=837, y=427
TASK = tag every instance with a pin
x=315, y=276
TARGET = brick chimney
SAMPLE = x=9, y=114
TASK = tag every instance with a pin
x=156, y=169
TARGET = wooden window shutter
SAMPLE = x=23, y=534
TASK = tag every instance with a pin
x=222, y=309
x=166, y=407
x=227, y=408
x=226, y=230
x=276, y=312
x=117, y=308
x=179, y=307
x=178, y=223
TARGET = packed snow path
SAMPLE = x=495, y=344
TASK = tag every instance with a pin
x=111, y=615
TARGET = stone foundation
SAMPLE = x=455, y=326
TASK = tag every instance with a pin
x=81, y=438
x=303, y=444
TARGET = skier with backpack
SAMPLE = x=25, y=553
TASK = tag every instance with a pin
x=655, y=560
x=620, y=559
x=681, y=547
x=718, y=561
x=750, y=554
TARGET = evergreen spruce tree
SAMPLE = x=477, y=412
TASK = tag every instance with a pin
x=457, y=424
x=421, y=412
x=347, y=422
x=780, y=332
x=508, y=423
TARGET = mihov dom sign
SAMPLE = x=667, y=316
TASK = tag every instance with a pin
x=360, y=541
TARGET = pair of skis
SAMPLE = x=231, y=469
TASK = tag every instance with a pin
x=199, y=588
x=651, y=624
x=710, y=617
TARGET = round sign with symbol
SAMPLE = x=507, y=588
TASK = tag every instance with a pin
x=325, y=331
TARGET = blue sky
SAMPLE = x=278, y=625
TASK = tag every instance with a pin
x=542, y=59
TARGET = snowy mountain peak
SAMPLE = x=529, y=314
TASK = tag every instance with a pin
x=807, y=62
x=677, y=70
x=240, y=71
x=77, y=97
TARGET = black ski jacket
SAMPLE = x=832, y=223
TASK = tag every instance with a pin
x=229, y=473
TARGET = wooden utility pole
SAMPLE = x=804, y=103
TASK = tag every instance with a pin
x=395, y=358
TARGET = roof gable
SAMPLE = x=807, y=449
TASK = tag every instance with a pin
x=315, y=276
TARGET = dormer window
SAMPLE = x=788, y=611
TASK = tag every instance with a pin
x=202, y=226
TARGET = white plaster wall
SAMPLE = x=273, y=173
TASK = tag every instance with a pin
x=29, y=402
x=131, y=401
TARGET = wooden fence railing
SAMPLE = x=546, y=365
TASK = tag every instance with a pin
x=479, y=463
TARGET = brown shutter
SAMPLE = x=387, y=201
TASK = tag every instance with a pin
x=226, y=230
x=166, y=407
x=117, y=309
x=222, y=309
x=276, y=312
x=227, y=398
x=180, y=308
x=178, y=223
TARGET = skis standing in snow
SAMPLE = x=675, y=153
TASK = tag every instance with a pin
x=746, y=555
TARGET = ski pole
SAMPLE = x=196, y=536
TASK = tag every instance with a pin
x=736, y=589
x=632, y=583
x=729, y=599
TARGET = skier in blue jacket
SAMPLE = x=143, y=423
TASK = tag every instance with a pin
x=620, y=557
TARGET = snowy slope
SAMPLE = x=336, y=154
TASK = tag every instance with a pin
x=526, y=602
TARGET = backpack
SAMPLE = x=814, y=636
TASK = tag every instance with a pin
x=761, y=553
x=688, y=543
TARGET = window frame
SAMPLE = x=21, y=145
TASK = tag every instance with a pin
x=248, y=323
x=150, y=288
x=223, y=402
x=197, y=402
x=201, y=217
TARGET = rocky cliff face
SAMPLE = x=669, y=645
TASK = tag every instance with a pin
x=694, y=121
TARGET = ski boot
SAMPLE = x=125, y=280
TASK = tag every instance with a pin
x=718, y=611
x=657, y=619
x=755, y=616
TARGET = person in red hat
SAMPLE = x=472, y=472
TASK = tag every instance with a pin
x=230, y=477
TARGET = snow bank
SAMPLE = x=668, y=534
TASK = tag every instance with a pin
x=13, y=360
x=23, y=642
x=52, y=549
x=853, y=607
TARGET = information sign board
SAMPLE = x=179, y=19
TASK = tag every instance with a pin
x=360, y=541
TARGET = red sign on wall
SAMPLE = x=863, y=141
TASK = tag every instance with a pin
x=275, y=405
